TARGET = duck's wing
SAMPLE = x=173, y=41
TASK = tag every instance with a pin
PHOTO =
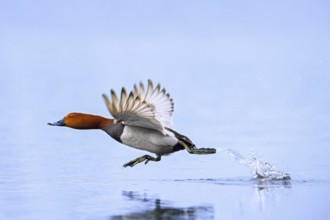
x=151, y=108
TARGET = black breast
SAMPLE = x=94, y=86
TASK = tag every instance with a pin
x=115, y=131
x=178, y=147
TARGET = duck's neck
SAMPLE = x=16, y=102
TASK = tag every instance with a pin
x=88, y=121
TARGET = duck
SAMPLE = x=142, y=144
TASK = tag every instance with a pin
x=142, y=119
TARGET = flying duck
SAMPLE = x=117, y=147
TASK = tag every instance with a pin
x=142, y=120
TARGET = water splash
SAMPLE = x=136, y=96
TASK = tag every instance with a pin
x=261, y=170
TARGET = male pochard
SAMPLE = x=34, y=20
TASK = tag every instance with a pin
x=142, y=120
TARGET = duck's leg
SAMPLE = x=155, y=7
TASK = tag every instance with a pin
x=145, y=158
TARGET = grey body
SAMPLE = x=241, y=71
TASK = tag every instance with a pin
x=143, y=138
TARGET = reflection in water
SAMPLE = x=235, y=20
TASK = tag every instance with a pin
x=269, y=191
x=266, y=191
x=272, y=185
x=157, y=209
x=258, y=183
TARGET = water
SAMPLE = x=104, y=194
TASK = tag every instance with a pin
x=249, y=78
x=80, y=176
x=266, y=166
x=259, y=172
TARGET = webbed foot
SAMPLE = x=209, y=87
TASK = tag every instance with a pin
x=145, y=158
x=192, y=149
x=203, y=151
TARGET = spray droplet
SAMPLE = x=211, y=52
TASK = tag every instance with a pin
x=261, y=170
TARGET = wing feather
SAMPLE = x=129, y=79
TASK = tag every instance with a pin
x=123, y=99
x=151, y=108
x=114, y=102
x=130, y=101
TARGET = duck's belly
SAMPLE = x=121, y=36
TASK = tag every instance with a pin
x=148, y=140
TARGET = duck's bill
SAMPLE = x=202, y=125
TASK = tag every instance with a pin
x=58, y=123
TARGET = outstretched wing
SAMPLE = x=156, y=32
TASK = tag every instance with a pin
x=151, y=108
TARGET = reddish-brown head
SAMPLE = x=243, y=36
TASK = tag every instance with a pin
x=83, y=121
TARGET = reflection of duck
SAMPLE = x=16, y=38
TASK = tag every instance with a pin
x=142, y=120
x=163, y=211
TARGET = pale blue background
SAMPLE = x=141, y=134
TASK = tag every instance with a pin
x=243, y=74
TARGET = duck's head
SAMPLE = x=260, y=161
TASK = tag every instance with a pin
x=82, y=121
